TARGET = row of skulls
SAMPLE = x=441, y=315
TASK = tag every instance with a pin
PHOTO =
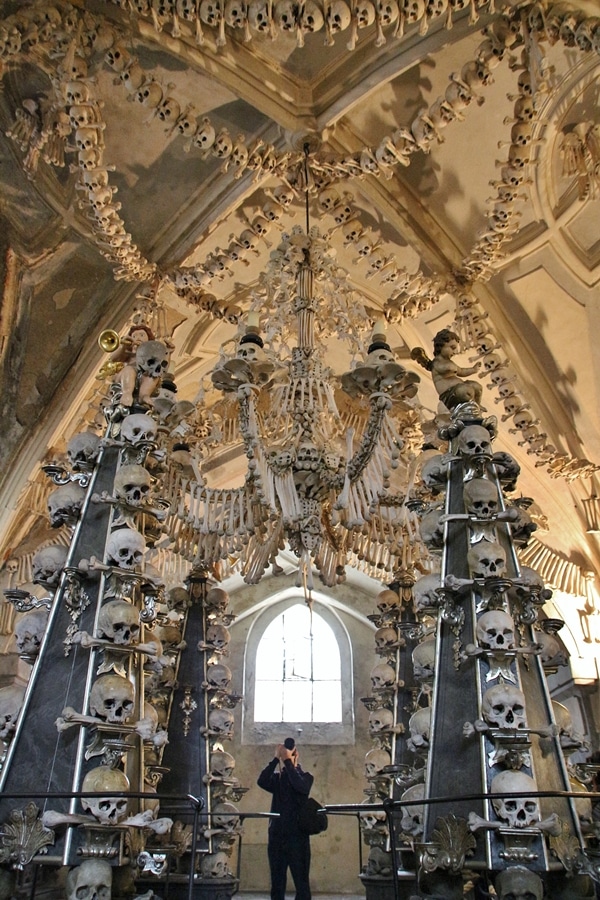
x=222, y=786
x=114, y=699
x=385, y=706
x=503, y=702
x=246, y=17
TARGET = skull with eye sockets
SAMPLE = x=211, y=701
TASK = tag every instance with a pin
x=107, y=810
x=487, y=559
x=119, y=621
x=481, y=498
x=112, y=699
x=495, y=631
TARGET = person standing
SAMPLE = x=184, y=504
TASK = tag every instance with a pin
x=288, y=846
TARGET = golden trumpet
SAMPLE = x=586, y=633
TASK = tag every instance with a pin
x=108, y=340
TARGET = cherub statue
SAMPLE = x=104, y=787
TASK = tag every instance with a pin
x=448, y=377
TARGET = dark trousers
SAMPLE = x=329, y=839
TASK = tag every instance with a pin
x=289, y=851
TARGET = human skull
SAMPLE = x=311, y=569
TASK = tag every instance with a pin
x=125, y=548
x=222, y=765
x=388, y=603
x=387, y=11
x=83, y=449
x=523, y=419
x=516, y=812
x=258, y=16
x=11, y=703
x=112, y=698
x=379, y=863
x=503, y=706
x=152, y=358
x=251, y=352
x=92, y=880
x=383, y=677
x=64, y=504
x=107, y=810
x=423, y=660
x=375, y=761
x=568, y=28
x=519, y=883
x=311, y=19
x=225, y=816
x=586, y=31
x=373, y=820
x=132, y=484
x=413, y=817
x=343, y=211
x=365, y=13
x=219, y=676
x=82, y=114
x=570, y=738
x=150, y=94
x=338, y=16
x=236, y=12
x=419, y=726
x=217, y=636
x=178, y=599
x=119, y=621
x=205, y=135
x=507, y=469
x=380, y=720
x=118, y=58
x=352, y=231
x=386, y=638
x=495, y=630
x=512, y=404
x=552, y=653
x=223, y=145
x=30, y=630
x=220, y=722
x=138, y=428
x=474, y=440
x=425, y=592
x=486, y=559
x=481, y=498
x=215, y=865
x=518, y=156
x=87, y=138
x=434, y=472
x=48, y=563
x=432, y=529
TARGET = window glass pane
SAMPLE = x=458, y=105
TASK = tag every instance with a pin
x=298, y=670
x=297, y=701
x=298, y=657
x=327, y=702
x=326, y=655
x=268, y=701
x=269, y=661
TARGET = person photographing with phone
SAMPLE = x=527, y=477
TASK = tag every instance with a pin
x=288, y=845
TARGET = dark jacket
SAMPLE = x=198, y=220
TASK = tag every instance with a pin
x=289, y=788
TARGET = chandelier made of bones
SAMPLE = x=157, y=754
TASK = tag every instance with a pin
x=328, y=491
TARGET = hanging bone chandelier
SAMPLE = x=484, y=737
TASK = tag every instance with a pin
x=313, y=483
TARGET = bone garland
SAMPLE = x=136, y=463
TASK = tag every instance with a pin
x=473, y=326
x=480, y=262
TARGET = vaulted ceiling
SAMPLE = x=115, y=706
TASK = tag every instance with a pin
x=460, y=141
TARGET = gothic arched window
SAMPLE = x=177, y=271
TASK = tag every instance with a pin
x=298, y=676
